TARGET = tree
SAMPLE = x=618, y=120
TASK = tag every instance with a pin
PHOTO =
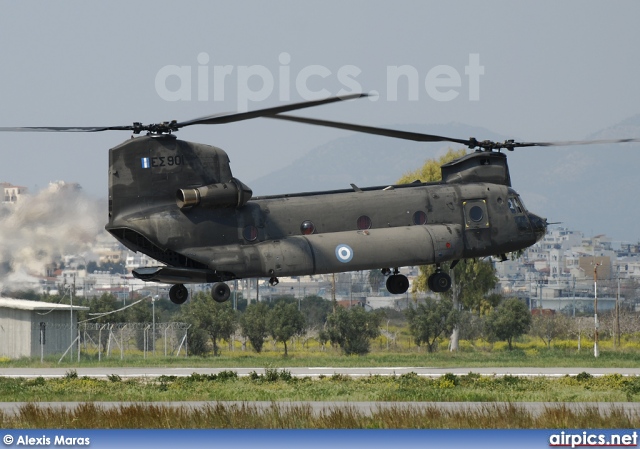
x=430, y=171
x=253, y=323
x=429, y=320
x=100, y=309
x=315, y=310
x=375, y=279
x=471, y=281
x=284, y=321
x=549, y=327
x=353, y=329
x=218, y=320
x=509, y=320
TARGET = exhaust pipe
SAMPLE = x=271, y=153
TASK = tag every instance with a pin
x=231, y=194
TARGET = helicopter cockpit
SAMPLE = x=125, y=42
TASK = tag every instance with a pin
x=526, y=221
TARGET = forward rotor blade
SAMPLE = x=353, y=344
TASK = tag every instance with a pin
x=421, y=137
x=573, y=142
x=406, y=135
x=238, y=116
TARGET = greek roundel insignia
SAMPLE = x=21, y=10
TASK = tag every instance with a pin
x=344, y=253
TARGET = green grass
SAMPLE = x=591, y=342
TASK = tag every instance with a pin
x=523, y=356
x=279, y=385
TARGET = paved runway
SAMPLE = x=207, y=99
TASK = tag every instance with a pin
x=315, y=371
x=318, y=407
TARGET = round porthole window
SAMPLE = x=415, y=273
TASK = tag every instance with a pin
x=419, y=218
x=476, y=214
x=364, y=222
x=250, y=233
x=307, y=227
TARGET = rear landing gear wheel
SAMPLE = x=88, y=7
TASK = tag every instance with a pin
x=439, y=282
x=178, y=294
x=397, y=284
x=220, y=292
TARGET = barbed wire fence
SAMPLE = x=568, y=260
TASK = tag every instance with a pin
x=108, y=340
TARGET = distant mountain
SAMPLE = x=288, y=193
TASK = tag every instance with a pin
x=362, y=159
x=592, y=189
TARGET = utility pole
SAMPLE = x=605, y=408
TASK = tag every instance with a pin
x=73, y=291
x=617, y=337
x=596, y=353
x=574, y=296
x=235, y=295
x=333, y=291
x=153, y=312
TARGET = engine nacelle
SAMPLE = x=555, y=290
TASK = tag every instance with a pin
x=229, y=194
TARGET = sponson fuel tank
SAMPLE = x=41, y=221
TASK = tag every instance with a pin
x=340, y=251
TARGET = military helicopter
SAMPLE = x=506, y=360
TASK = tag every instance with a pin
x=178, y=202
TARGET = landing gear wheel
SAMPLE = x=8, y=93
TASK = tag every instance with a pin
x=439, y=282
x=430, y=283
x=220, y=292
x=397, y=284
x=178, y=294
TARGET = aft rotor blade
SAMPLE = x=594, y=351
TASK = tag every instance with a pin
x=239, y=116
x=167, y=127
x=68, y=129
x=406, y=135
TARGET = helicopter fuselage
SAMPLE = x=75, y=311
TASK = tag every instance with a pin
x=199, y=221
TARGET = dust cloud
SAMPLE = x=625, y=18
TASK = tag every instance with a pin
x=40, y=229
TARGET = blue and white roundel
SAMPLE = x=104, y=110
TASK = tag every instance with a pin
x=344, y=253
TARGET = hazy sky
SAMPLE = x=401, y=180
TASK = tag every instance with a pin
x=542, y=70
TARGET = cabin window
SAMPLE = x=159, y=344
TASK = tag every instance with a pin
x=476, y=214
x=419, y=218
x=250, y=233
x=364, y=222
x=307, y=227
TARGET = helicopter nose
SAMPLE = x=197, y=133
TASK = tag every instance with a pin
x=539, y=225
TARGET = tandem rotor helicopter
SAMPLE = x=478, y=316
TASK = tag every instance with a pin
x=178, y=202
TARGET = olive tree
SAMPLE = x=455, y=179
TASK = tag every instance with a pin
x=509, y=320
x=253, y=324
x=353, y=329
x=430, y=320
x=284, y=321
x=548, y=327
x=217, y=320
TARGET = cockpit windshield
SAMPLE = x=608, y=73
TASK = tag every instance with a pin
x=515, y=205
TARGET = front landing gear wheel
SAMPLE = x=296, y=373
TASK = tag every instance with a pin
x=220, y=292
x=439, y=282
x=178, y=294
x=397, y=284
